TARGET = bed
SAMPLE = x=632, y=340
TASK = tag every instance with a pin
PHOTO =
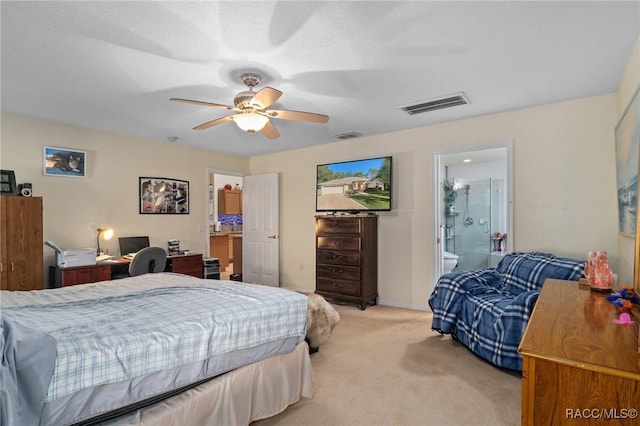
x=154, y=349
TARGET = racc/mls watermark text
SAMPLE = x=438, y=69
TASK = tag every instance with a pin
x=601, y=413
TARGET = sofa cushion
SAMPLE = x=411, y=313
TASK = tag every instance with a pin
x=528, y=271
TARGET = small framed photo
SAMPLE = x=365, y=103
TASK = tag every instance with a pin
x=64, y=162
x=8, y=182
x=163, y=196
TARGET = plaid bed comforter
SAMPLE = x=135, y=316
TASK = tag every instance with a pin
x=488, y=310
x=114, y=331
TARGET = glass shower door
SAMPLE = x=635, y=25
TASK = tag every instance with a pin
x=472, y=225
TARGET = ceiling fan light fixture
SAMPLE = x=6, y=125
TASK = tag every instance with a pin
x=250, y=121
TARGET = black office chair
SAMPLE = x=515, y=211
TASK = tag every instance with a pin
x=148, y=260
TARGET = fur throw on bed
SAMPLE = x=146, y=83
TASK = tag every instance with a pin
x=321, y=319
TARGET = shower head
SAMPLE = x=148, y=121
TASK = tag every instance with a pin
x=466, y=189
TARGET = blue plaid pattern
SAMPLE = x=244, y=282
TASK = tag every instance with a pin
x=112, y=332
x=488, y=310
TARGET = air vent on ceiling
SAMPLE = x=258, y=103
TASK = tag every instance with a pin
x=436, y=104
x=347, y=135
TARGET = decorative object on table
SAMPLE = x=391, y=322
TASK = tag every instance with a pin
x=624, y=301
x=626, y=139
x=64, y=162
x=163, y=196
x=25, y=189
x=8, y=182
x=624, y=319
x=106, y=234
x=497, y=238
x=598, y=272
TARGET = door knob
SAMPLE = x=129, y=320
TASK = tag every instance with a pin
x=273, y=237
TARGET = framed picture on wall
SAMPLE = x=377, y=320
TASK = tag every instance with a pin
x=627, y=138
x=64, y=162
x=8, y=182
x=163, y=196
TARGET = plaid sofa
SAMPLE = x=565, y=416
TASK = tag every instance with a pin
x=487, y=310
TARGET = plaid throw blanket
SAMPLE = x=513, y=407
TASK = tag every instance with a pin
x=487, y=310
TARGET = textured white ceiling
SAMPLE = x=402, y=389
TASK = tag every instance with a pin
x=114, y=65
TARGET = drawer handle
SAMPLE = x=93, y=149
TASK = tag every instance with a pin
x=338, y=243
x=335, y=285
x=336, y=271
x=337, y=257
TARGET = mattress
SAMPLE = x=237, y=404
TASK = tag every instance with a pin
x=121, y=342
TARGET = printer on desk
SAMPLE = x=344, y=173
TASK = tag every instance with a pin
x=73, y=257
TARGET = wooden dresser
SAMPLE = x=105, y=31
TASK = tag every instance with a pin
x=21, y=257
x=579, y=367
x=347, y=258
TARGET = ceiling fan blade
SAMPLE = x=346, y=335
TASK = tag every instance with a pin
x=202, y=103
x=270, y=131
x=214, y=122
x=266, y=96
x=310, y=117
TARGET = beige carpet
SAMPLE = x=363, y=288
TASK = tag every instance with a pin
x=385, y=366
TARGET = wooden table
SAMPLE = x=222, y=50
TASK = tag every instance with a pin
x=579, y=367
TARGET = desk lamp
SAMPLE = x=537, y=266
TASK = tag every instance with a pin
x=106, y=234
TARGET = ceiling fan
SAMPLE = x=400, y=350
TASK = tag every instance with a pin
x=252, y=114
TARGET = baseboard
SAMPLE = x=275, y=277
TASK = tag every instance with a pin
x=403, y=305
x=380, y=301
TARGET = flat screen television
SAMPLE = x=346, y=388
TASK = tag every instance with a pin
x=354, y=186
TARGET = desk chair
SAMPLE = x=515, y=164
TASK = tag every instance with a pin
x=148, y=260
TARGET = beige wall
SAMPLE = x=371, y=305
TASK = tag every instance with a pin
x=564, y=190
x=628, y=85
x=108, y=196
x=564, y=187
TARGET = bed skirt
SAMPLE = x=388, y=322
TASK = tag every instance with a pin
x=253, y=392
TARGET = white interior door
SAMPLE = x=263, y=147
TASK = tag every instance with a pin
x=261, y=229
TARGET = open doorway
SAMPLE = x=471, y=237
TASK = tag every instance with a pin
x=473, y=199
x=225, y=220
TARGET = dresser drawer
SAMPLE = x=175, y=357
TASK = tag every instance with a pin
x=349, y=288
x=338, y=243
x=338, y=226
x=338, y=257
x=338, y=272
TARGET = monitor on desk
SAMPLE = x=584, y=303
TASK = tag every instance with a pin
x=132, y=244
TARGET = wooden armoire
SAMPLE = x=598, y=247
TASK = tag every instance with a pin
x=21, y=261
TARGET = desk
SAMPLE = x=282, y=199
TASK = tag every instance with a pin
x=188, y=264
x=577, y=361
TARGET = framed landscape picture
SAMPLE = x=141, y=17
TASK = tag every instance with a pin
x=163, y=196
x=64, y=162
x=627, y=137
